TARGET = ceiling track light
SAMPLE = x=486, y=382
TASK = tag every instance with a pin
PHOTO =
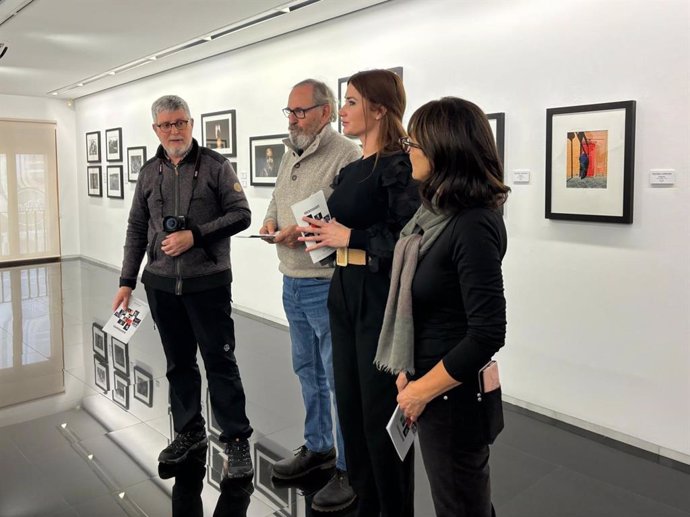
x=16, y=12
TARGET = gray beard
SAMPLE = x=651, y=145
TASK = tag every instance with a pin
x=300, y=140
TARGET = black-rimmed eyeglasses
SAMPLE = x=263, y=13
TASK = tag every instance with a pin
x=300, y=112
x=166, y=127
x=406, y=144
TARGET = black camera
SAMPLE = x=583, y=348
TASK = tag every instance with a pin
x=174, y=223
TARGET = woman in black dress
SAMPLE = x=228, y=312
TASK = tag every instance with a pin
x=373, y=199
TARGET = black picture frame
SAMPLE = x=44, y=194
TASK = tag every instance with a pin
x=265, y=154
x=114, y=182
x=218, y=132
x=283, y=497
x=497, y=121
x=93, y=147
x=120, y=393
x=94, y=181
x=120, y=358
x=143, y=385
x=113, y=144
x=99, y=341
x=597, y=184
x=101, y=375
x=136, y=158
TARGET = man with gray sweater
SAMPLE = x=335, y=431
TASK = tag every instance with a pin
x=316, y=154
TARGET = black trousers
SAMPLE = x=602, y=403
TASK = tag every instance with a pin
x=366, y=396
x=205, y=319
x=458, y=476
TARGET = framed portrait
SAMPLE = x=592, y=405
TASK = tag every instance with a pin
x=497, y=121
x=218, y=132
x=113, y=174
x=143, y=386
x=211, y=422
x=121, y=390
x=98, y=341
x=283, y=497
x=101, y=376
x=265, y=153
x=342, y=87
x=120, y=356
x=216, y=460
x=93, y=147
x=113, y=144
x=590, y=156
x=136, y=157
x=94, y=176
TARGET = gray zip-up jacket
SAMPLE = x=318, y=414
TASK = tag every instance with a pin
x=205, y=190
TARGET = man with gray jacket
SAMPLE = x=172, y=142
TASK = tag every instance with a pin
x=187, y=203
x=316, y=154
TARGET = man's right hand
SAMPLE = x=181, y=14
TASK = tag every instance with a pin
x=122, y=298
x=288, y=237
x=268, y=229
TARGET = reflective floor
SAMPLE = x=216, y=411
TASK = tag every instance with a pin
x=82, y=421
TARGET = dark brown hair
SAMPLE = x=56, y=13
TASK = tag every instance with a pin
x=466, y=171
x=383, y=88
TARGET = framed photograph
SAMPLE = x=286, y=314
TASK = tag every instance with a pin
x=94, y=175
x=136, y=157
x=211, y=422
x=113, y=144
x=265, y=153
x=590, y=156
x=93, y=147
x=342, y=87
x=120, y=356
x=218, y=132
x=216, y=460
x=283, y=498
x=143, y=386
x=98, y=341
x=497, y=121
x=101, y=376
x=121, y=390
x=113, y=175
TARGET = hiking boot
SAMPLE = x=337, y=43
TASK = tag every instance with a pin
x=239, y=462
x=336, y=495
x=195, y=460
x=182, y=445
x=303, y=462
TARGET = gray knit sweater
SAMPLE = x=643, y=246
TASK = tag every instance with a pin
x=298, y=178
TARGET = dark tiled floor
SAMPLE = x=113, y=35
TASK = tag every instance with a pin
x=77, y=453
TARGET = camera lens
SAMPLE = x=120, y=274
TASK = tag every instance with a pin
x=170, y=223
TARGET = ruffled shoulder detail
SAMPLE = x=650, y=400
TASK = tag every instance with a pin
x=397, y=170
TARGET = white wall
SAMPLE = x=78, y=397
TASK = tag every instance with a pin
x=598, y=313
x=34, y=108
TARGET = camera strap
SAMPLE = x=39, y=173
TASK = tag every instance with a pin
x=194, y=180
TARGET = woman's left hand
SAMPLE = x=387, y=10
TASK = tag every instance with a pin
x=411, y=401
x=332, y=233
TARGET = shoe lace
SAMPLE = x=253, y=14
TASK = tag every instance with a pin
x=183, y=442
x=238, y=451
x=301, y=450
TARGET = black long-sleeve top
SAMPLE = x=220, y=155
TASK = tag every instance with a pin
x=375, y=199
x=457, y=296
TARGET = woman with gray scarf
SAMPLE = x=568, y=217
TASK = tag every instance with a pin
x=445, y=316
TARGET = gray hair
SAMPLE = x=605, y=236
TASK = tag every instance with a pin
x=169, y=103
x=322, y=95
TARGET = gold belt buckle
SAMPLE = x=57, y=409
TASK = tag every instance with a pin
x=341, y=257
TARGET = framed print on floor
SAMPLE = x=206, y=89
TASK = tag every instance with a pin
x=283, y=498
x=114, y=181
x=265, y=153
x=99, y=342
x=590, y=156
x=121, y=390
x=113, y=144
x=136, y=157
x=120, y=356
x=101, y=376
x=94, y=176
x=218, y=132
x=143, y=386
x=93, y=147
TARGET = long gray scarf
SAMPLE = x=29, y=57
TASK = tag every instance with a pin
x=395, y=351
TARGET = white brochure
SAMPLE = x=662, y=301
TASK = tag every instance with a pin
x=314, y=206
x=402, y=432
x=124, y=323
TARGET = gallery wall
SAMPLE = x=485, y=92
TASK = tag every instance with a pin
x=598, y=313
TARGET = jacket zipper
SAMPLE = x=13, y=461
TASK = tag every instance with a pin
x=176, y=260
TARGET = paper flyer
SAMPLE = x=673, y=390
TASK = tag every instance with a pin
x=402, y=434
x=124, y=323
x=314, y=206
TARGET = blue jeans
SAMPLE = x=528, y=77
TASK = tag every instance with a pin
x=305, y=303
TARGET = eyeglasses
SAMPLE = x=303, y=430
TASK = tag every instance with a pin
x=166, y=127
x=300, y=112
x=406, y=144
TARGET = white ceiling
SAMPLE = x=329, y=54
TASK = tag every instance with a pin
x=55, y=44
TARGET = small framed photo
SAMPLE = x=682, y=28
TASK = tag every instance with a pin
x=101, y=376
x=121, y=390
x=590, y=156
x=216, y=462
x=218, y=132
x=143, y=386
x=113, y=144
x=282, y=498
x=94, y=175
x=93, y=147
x=136, y=157
x=98, y=341
x=497, y=121
x=120, y=356
x=113, y=175
x=265, y=153
x=211, y=422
